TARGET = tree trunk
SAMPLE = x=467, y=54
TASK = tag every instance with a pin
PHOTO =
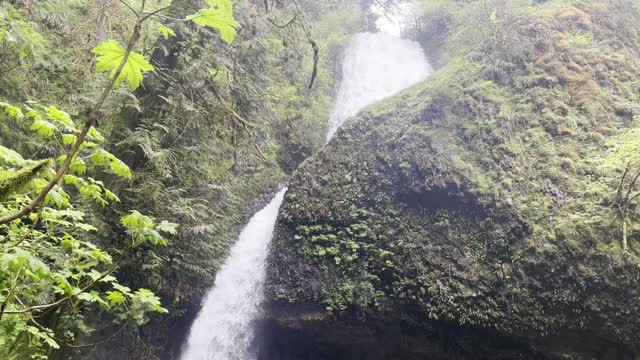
x=101, y=22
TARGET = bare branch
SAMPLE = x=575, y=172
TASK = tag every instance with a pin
x=231, y=112
x=59, y=302
x=111, y=337
x=295, y=17
x=157, y=12
x=314, y=45
x=36, y=307
x=130, y=7
x=632, y=185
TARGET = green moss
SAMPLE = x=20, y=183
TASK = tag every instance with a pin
x=483, y=187
x=12, y=182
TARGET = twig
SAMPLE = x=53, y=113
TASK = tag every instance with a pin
x=130, y=7
x=262, y=155
x=111, y=337
x=11, y=292
x=36, y=307
x=155, y=12
x=61, y=301
x=231, y=112
x=312, y=41
x=295, y=17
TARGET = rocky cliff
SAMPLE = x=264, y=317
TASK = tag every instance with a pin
x=476, y=215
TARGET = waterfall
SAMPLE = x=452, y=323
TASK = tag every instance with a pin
x=375, y=66
x=223, y=329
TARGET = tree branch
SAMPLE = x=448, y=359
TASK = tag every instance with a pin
x=312, y=42
x=231, y=112
x=59, y=302
x=295, y=17
x=36, y=307
x=11, y=292
x=111, y=337
x=631, y=186
x=130, y=7
x=148, y=15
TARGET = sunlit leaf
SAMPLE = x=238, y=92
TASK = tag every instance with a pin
x=12, y=111
x=166, y=32
x=111, y=55
x=220, y=17
x=102, y=157
x=9, y=156
x=43, y=128
x=115, y=297
x=60, y=116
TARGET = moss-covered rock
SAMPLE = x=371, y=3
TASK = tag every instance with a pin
x=480, y=201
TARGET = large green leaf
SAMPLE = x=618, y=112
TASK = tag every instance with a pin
x=9, y=156
x=60, y=116
x=166, y=32
x=12, y=111
x=111, y=55
x=102, y=157
x=44, y=128
x=220, y=17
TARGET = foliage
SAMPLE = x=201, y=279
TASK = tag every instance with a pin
x=53, y=274
x=205, y=133
x=220, y=17
x=111, y=55
x=44, y=262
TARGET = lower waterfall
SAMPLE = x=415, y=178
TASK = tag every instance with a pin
x=223, y=329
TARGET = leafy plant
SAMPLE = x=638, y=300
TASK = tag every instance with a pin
x=220, y=17
x=112, y=55
x=47, y=264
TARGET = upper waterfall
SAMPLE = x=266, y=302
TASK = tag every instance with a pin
x=376, y=66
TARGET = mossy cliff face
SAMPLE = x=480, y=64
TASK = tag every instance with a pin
x=471, y=216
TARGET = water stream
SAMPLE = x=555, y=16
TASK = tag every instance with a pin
x=375, y=66
x=223, y=328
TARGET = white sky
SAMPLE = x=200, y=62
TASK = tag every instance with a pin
x=391, y=23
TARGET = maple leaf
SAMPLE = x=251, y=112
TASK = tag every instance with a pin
x=110, y=56
x=166, y=32
x=220, y=17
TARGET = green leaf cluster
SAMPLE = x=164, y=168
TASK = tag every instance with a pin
x=218, y=16
x=49, y=260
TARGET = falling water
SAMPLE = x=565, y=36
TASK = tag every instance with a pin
x=223, y=329
x=375, y=66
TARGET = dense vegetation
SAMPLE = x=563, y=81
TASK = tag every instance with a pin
x=496, y=200
x=122, y=192
x=490, y=211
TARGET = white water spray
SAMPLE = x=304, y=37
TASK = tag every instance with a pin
x=223, y=329
x=375, y=66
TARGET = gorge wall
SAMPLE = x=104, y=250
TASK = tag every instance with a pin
x=470, y=216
